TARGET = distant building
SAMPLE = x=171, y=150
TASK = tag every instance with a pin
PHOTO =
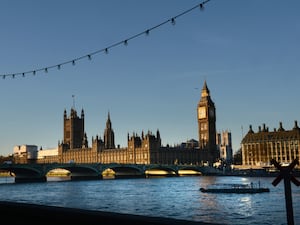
x=259, y=148
x=25, y=153
x=225, y=146
x=74, y=135
x=141, y=149
x=30, y=153
x=192, y=143
x=47, y=155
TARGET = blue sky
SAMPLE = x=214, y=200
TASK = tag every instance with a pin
x=247, y=51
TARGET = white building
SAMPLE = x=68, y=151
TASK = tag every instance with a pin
x=32, y=152
x=26, y=150
x=43, y=153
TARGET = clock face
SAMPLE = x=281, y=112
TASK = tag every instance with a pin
x=201, y=112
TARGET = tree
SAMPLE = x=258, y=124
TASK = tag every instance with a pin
x=5, y=158
x=237, y=157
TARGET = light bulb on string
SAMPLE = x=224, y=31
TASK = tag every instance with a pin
x=201, y=6
x=173, y=21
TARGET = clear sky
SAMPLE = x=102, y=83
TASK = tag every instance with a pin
x=247, y=51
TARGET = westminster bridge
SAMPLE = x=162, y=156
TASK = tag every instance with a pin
x=88, y=171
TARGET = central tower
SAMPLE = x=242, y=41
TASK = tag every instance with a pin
x=109, y=136
x=206, y=115
x=74, y=129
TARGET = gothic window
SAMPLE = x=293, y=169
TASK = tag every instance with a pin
x=68, y=134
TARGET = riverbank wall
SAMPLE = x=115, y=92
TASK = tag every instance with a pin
x=35, y=214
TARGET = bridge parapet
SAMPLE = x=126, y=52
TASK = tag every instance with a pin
x=83, y=171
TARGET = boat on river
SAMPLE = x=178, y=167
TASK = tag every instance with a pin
x=235, y=188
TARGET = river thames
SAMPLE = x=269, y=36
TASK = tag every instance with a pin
x=171, y=197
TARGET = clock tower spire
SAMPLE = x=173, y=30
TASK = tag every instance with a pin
x=206, y=116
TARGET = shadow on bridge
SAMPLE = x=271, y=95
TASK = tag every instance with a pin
x=88, y=171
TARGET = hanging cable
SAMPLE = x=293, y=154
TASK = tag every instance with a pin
x=106, y=49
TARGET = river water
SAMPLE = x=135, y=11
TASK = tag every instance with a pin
x=173, y=197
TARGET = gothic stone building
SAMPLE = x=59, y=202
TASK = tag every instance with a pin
x=259, y=148
x=206, y=113
x=144, y=149
x=225, y=146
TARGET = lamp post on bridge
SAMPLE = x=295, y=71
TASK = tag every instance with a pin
x=287, y=176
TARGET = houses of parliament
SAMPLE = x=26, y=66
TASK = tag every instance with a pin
x=145, y=148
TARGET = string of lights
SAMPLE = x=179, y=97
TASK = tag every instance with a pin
x=105, y=49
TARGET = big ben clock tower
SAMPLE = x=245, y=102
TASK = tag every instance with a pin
x=206, y=115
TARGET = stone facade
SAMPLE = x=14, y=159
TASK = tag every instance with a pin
x=206, y=115
x=144, y=149
x=225, y=146
x=259, y=148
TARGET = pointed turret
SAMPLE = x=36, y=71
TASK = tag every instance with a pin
x=205, y=90
x=250, y=130
x=82, y=114
x=296, y=126
x=109, y=136
x=280, y=127
x=157, y=134
x=65, y=114
x=108, y=122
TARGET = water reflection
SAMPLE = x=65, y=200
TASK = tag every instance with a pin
x=176, y=197
x=226, y=207
x=244, y=206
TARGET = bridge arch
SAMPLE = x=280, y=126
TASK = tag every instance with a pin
x=24, y=173
x=38, y=172
x=122, y=171
x=190, y=170
x=78, y=171
x=161, y=170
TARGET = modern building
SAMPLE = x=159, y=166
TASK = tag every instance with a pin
x=44, y=154
x=259, y=148
x=141, y=149
x=25, y=153
x=30, y=153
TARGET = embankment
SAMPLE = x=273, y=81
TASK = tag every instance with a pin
x=34, y=214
